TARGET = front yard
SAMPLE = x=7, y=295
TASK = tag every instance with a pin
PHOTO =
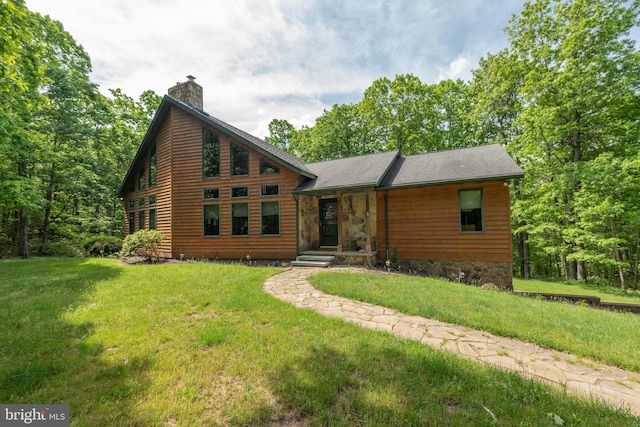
x=202, y=344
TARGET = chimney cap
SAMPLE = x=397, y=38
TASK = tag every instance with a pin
x=190, y=77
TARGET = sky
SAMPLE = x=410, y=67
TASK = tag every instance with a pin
x=259, y=60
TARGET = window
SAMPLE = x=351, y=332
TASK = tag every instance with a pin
x=240, y=219
x=270, y=190
x=239, y=191
x=152, y=219
x=141, y=178
x=132, y=204
x=211, y=220
x=470, y=210
x=152, y=167
x=210, y=193
x=152, y=200
x=267, y=168
x=141, y=202
x=141, y=220
x=239, y=161
x=270, y=213
x=210, y=154
x=132, y=222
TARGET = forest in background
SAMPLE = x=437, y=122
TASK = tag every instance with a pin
x=562, y=98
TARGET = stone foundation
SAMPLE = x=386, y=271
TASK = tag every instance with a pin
x=472, y=273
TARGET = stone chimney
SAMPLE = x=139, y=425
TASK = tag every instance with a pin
x=188, y=92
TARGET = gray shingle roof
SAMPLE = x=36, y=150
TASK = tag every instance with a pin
x=482, y=163
x=351, y=172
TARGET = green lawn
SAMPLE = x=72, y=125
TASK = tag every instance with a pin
x=202, y=344
x=586, y=332
x=605, y=293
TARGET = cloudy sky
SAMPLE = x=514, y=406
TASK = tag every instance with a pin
x=263, y=59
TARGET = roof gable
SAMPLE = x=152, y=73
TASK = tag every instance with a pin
x=352, y=172
x=481, y=163
x=279, y=156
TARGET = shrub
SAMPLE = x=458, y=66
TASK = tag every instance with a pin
x=393, y=259
x=143, y=242
x=102, y=245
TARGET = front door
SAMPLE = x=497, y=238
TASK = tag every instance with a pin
x=328, y=222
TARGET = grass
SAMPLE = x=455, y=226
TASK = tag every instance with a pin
x=605, y=293
x=202, y=344
x=586, y=332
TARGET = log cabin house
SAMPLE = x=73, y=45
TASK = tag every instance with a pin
x=218, y=192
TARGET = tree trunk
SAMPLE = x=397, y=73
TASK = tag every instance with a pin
x=23, y=233
x=581, y=270
x=523, y=248
x=48, y=200
x=616, y=254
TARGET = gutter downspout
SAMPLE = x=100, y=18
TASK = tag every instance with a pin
x=386, y=225
x=297, y=225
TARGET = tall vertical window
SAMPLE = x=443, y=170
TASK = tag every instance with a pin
x=152, y=167
x=152, y=219
x=267, y=168
x=141, y=177
x=141, y=220
x=211, y=220
x=270, y=213
x=210, y=154
x=132, y=222
x=240, y=219
x=239, y=160
x=470, y=210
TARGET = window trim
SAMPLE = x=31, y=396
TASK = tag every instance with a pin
x=204, y=206
x=482, y=230
x=261, y=218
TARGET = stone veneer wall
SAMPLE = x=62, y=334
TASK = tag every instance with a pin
x=473, y=273
x=309, y=238
x=354, y=222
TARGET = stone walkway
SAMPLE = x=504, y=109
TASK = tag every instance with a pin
x=579, y=376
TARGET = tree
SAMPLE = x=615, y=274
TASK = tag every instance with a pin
x=281, y=132
x=576, y=72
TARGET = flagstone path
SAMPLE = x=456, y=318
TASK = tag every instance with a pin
x=618, y=387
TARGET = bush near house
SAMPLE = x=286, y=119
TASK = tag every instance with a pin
x=142, y=243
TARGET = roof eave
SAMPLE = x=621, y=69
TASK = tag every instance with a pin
x=335, y=189
x=449, y=182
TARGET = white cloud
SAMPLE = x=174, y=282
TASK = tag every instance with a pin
x=264, y=59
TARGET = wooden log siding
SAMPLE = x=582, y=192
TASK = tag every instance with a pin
x=162, y=190
x=424, y=224
x=187, y=230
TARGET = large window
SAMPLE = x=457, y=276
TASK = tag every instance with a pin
x=211, y=220
x=270, y=213
x=239, y=160
x=470, y=210
x=141, y=177
x=210, y=154
x=240, y=219
x=152, y=167
x=132, y=222
x=141, y=220
x=152, y=219
x=267, y=168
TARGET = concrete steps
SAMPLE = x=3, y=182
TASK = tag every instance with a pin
x=313, y=261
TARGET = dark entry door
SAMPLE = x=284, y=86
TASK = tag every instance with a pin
x=328, y=222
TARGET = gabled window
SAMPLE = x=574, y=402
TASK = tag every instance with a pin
x=470, y=202
x=239, y=160
x=240, y=219
x=152, y=167
x=210, y=154
x=267, y=168
x=211, y=220
x=270, y=213
x=141, y=177
x=270, y=190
